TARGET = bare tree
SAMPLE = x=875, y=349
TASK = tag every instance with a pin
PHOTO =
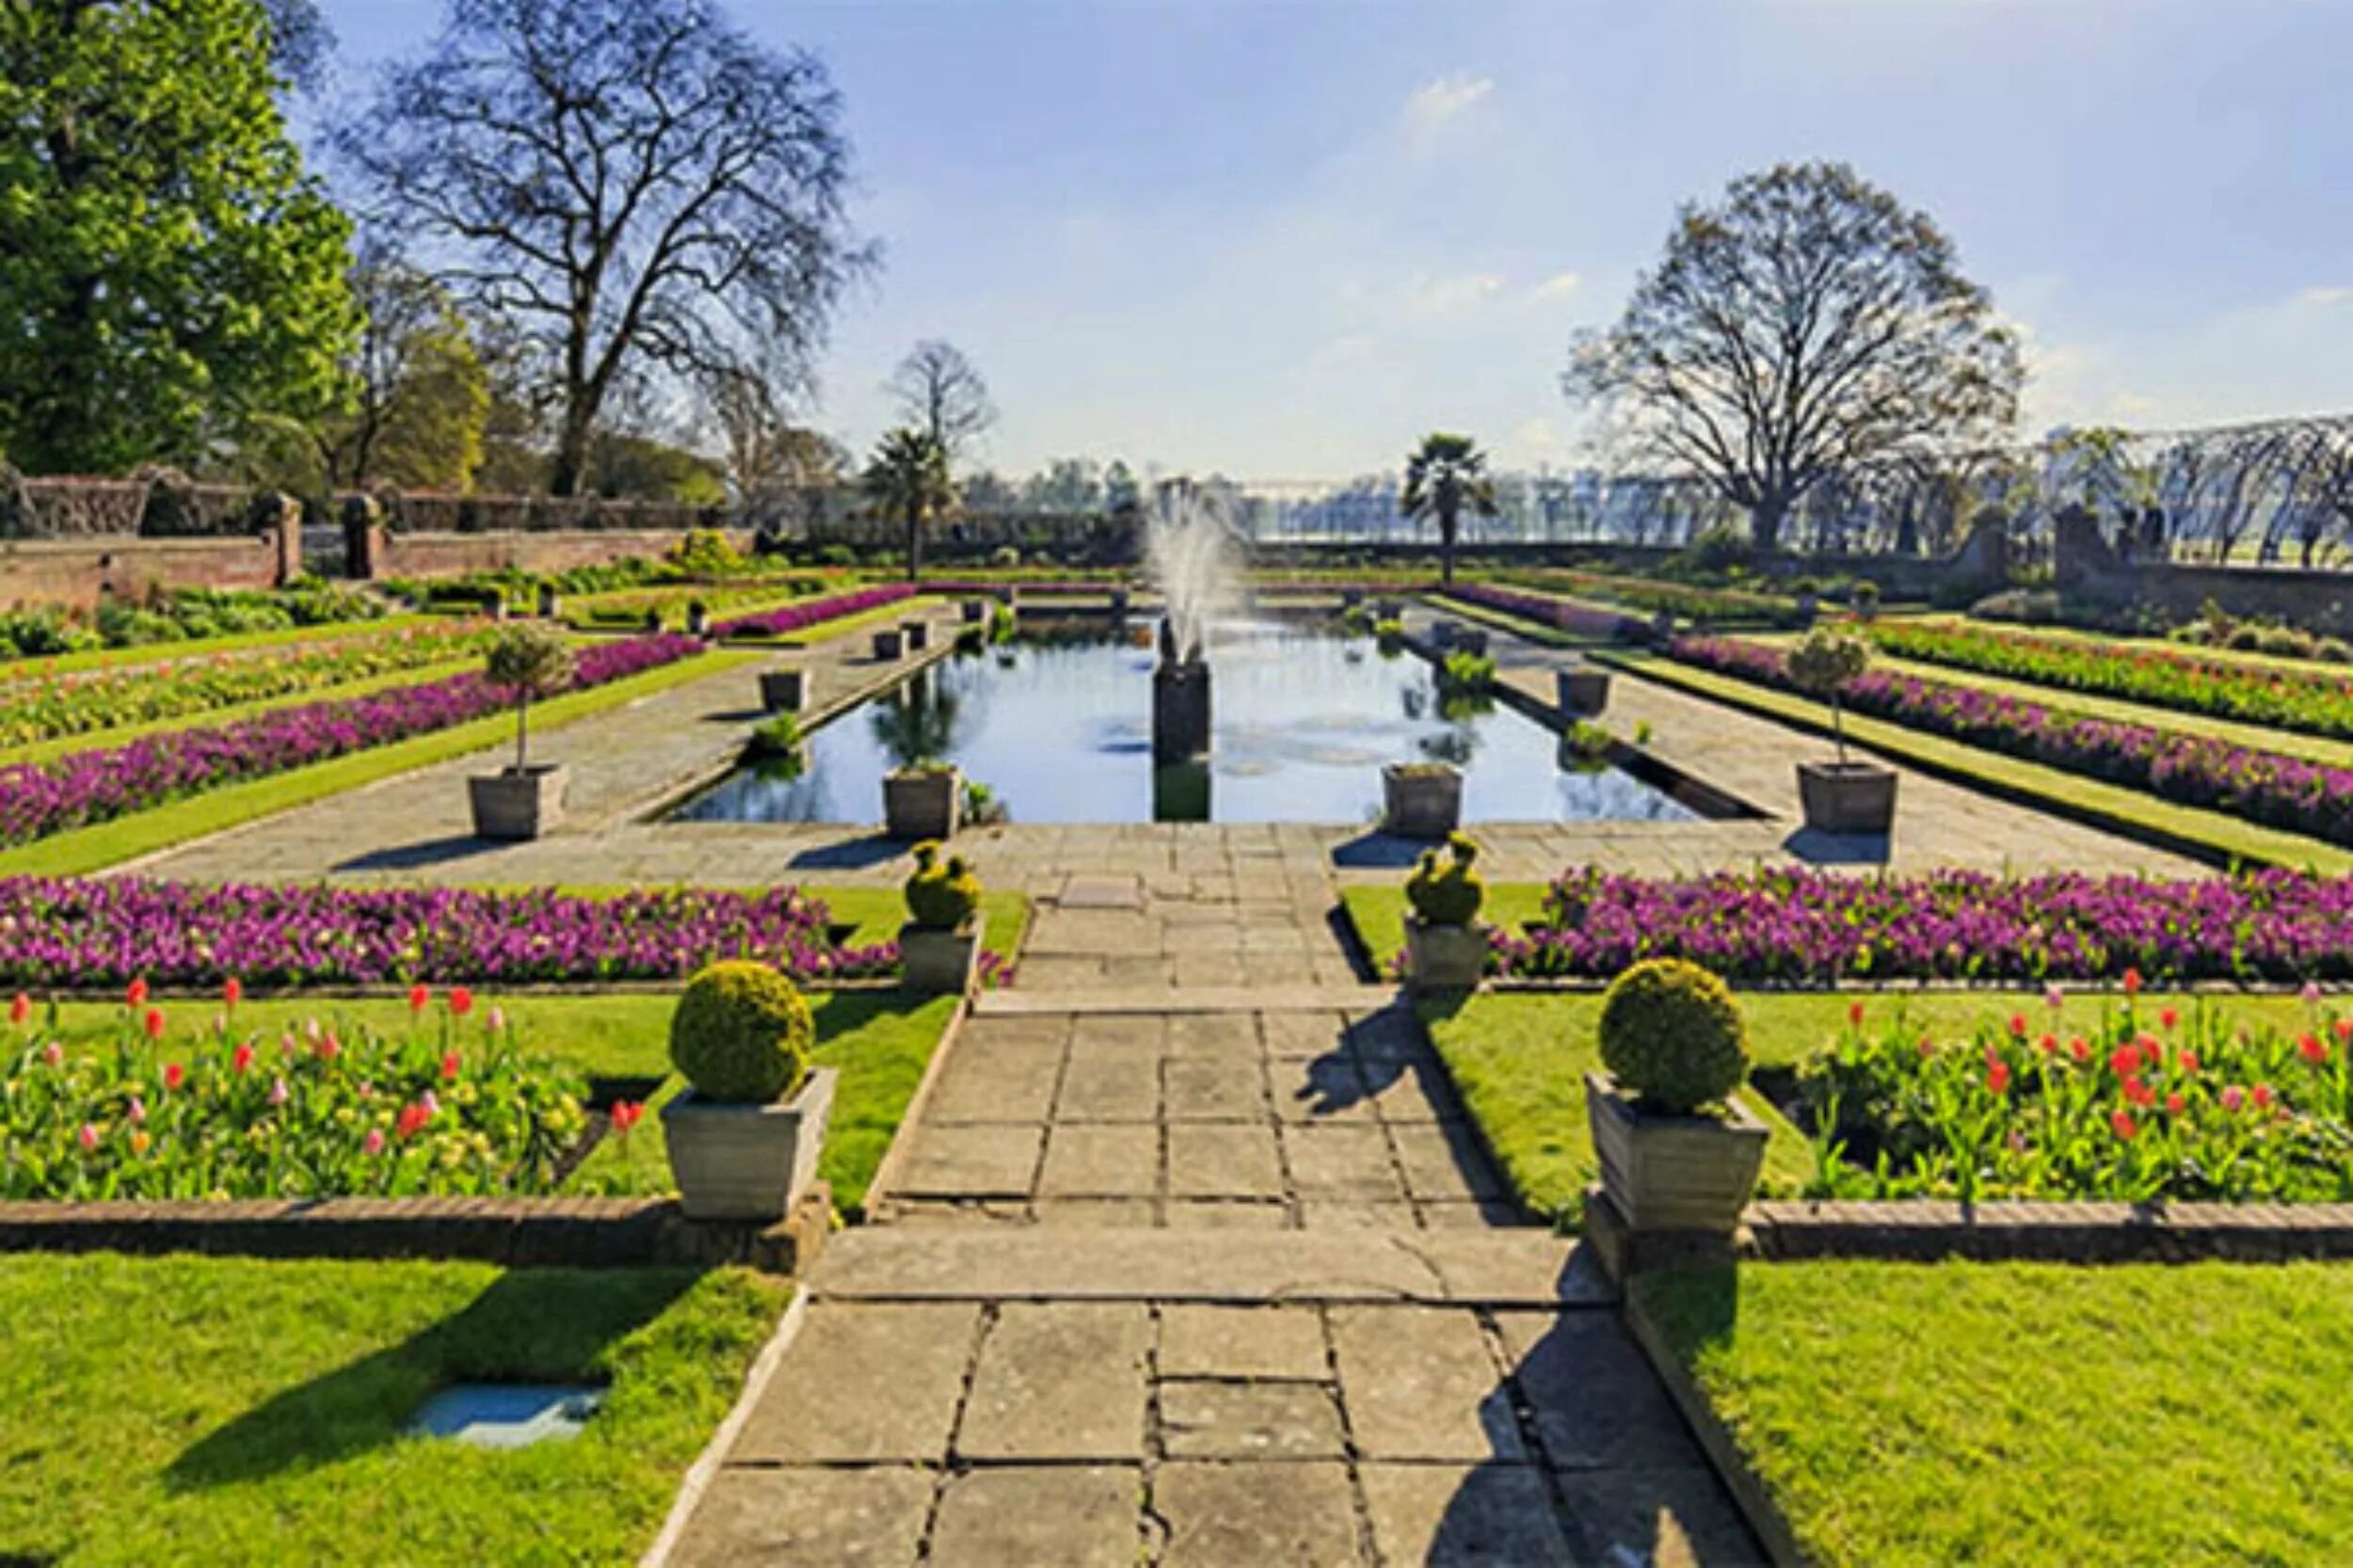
x=941, y=393
x=1806, y=325
x=635, y=184
x=419, y=395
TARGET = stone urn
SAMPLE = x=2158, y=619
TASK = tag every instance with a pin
x=887, y=644
x=518, y=803
x=922, y=802
x=1665, y=1173
x=746, y=1162
x=975, y=610
x=1581, y=689
x=1847, y=797
x=937, y=960
x=1444, y=957
x=783, y=691
x=1421, y=800
x=917, y=635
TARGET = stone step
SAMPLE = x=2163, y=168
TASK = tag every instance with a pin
x=998, y=1263
x=1203, y=999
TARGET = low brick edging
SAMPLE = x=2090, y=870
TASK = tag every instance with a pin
x=571, y=1232
x=1925, y=1230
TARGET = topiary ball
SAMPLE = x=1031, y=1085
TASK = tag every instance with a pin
x=1672, y=1034
x=1448, y=893
x=742, y=1035
x=941, y=894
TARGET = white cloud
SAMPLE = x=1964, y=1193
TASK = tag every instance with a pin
x=1559, y=286
x=1461, y=291
x=1438, y=104
x=2325, y=294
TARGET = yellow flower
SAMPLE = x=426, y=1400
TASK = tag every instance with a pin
x=140, y=1141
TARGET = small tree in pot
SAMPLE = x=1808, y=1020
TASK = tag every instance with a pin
x=1678, y=1151
x=1844, y=796
x=744, y=1137
x=941, y=938
x=522, y=801
x=1446, y=943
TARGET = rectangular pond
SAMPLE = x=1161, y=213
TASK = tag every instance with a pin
x=1059, y=725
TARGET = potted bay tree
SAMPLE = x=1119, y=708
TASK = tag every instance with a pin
x=1446, y=941
x=1843, y=796
x=1678, y=1152
x=524, y=799
x=744, y=1135
x=941, y=939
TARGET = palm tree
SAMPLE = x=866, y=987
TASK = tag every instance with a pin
x=909, y=477
x=1444, y=474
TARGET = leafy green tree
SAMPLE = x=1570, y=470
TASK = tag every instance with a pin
x=1806, y=326
x=908, y=478
x=169, y=276
x=1446, y=475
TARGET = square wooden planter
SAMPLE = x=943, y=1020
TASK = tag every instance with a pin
x=887, y=644
x=1847, y=797
x=1444, y=957
x=746, y=1162
x=975, y=610
x=1693, y=1174
x=940, y=960
x=1581, y=689
x=1421, y=800
x=783, y=691
x=917, y=634
x=920, y=805
x=511, y=805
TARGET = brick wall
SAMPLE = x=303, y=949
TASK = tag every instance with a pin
x=83, y=572
x=456, y=554
x=2086, y=566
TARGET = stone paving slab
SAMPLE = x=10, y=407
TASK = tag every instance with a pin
x=1228, y=1515
x=1492, y=1516
x=1255, y=1342
x=1250, y=1421
x=1059, y=1381
x=1421, y=1384
x=808, y=1518
x=892, y=1377
x=1071, y=1516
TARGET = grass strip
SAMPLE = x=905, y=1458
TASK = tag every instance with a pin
x=152, y=653
x=192, y=1410
x=1903, y=1414
x=127, y=837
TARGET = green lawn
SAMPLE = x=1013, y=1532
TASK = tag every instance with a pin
x=2033, y=1413
x=89, y=849
x=1377, y=909
x=191, y=1409
x=149, y=653
x=880, y=1039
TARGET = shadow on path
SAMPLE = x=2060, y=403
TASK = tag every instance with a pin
x=432, y=852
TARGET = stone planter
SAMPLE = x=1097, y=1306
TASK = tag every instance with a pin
x=1421, y=800
x=1581, y=689
x=783, y=691
x=975, y=610
x=919, y=806
x=1673, y=1173
x=887, y=644
x=1471, y=640
x=550, y=603
x=518, y=804
x=1444, y=957
x=1847, y=797
x=1389, y=609
x=746, y=1162
x=917, y=635
x=940, y=959
x=1442, y=635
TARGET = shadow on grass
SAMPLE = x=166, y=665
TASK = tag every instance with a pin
x=432, y=852
x=872, y=849
x=541, y=1325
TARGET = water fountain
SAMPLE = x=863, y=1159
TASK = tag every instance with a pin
x=1190, y=552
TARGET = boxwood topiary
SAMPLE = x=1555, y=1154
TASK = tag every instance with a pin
x=741, y=1034
x=1447, y=894
x=1672, y=1034
x=941, y=895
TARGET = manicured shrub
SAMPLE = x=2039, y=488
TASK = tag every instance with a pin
x=742, y=1035
x=1672, y=1034
x=1466, y=674
x=1452, y=892
x=942, y=894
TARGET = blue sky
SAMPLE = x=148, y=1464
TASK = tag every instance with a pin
x=1281, y=238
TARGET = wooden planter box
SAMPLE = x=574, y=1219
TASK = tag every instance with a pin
x=1847, y=797
x=697, y=621
x=1581, y=689
x=935, y=960
x=917, y=634
x=1691, y=1173
x=887, y=644
x=783, y=691
x=746, y=1162
x=1471, y=640
x=1444, y=957
x=508, y=805
x=975, y=610
x=919, y=806
x=550, y=604
x=1420, y=801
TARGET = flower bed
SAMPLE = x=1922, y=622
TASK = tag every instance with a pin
x=38, y=799
x=2317, y=701
x=796, y=617
x=2193, y=770
x=222, y=1112
x=1800, y=927
x=74, y=933
x=2141, y=1109
x=1705, y=606
x=1561, y=615
x=46, y=706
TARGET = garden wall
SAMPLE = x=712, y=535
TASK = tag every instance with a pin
x=83, y=572
x=390, y=554
x=2086, y=566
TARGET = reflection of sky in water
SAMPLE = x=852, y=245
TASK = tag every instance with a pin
x=1062, y=731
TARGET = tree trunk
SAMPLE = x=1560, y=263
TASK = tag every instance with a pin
x=915, y=543
x=571, y=446
x=1449, y=520
x=1766, y=519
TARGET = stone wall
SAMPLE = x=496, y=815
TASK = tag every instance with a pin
x=2087, y=567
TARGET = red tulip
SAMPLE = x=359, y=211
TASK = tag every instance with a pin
x=155, y=1023
x=2138, y=1092
x=1854, y=1014
x=174, y=1075
x=2262, y=1093
x=2170, y=1019
x=449, y=1067
x=2188, y=1060
x=2047, y=1044
x=412, y=1120
x=242, y=1058
x=2017, y=1026
x=2345, y=1029
x=460, y=1002
x=2313, y=1050
x=2125, y=1060
x=2082, y=1052
x=88, y=1137
x=2132, y=983
x=1997, y=1078
x=328, y=1047
x=136, y=995
x=2173, y=1104
x=418, y=997
x=231, y=991
x=2121, y=1122
x=53, y=1054
x=19, y=1010
x=625, y=1116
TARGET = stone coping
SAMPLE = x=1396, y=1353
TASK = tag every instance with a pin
x=2088, y=1232
x=576, y=1232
